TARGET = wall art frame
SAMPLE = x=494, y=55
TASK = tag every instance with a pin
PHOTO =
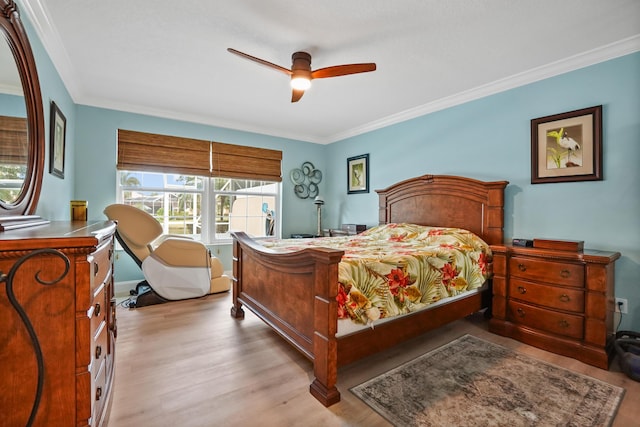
x=358, y=174
x=567, y=147
x=57, y=139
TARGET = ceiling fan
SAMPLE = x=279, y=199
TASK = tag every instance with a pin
x=301, y=73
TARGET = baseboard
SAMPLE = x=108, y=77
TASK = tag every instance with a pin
x=121, y=289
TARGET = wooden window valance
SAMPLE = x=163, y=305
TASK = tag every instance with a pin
x=13, y=134
x=171, y=154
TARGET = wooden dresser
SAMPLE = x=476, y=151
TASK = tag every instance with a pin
x=57, y=324
x=560, y=301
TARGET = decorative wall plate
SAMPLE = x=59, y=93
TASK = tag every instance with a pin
x=305, y=180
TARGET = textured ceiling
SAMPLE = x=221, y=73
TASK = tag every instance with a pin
x=169, y=58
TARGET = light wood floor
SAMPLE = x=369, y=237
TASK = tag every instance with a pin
x=188, y=363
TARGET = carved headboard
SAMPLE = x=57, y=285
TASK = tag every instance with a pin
x=447, y=201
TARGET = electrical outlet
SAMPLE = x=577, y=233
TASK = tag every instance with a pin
x=621, y=305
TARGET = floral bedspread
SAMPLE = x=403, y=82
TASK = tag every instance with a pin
x=395, y=269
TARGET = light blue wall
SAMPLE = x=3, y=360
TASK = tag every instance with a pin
x=55, y=193
x=96, y=152
x=12, y=106
x=91, y=157
x=489, y=139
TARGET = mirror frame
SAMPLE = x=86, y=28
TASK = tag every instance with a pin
x=16, y=37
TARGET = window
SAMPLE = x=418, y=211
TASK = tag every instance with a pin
x=13, y=157
x=203, y=189
x=204, y=208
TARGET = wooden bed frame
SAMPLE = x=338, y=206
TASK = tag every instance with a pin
x=295, y=293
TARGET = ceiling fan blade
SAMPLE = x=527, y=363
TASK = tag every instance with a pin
x=260, y=61
x=296, y=94
x=342, y=70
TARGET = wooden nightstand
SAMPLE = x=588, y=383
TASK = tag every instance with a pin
x=302, y=236
x=346, y=230
x=560, y=301
x=353, y=229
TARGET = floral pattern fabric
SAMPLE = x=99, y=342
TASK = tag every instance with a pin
x=396, y=269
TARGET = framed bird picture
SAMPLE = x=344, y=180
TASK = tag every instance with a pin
x=567, y=147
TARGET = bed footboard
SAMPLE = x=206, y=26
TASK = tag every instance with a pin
x=295, y=294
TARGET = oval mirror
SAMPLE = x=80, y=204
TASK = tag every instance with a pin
x=13, y=129
x=21, y=122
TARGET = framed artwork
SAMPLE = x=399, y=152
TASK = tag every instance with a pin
x=567, y=147
x=57, y=136
x=358, y=174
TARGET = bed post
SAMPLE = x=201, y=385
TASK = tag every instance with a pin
x=494, y=219
x=325, y=326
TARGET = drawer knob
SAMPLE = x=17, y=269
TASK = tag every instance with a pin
x=563, y=323
x=96, y=312
x=98, y=393
x=522, y=290
x=522, y=267
x=521, y=312
x=98, y=351
x=565, y=273
x=96, y=267
x=565, y=298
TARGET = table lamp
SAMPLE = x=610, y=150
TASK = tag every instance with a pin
x=319, y=201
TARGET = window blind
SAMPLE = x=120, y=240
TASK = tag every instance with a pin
x=13, y=134
x=170, y=154
x=235, y=161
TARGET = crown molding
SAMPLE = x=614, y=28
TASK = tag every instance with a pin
x=11, y=90
x=194, y=118
x=572, y=63
x=52, y=42
x=37, y=12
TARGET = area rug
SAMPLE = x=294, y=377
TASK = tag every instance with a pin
x=472, y=382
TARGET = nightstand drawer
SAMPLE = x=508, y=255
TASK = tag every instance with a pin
x=547, y=320
x=554, y=297
x=560, y=273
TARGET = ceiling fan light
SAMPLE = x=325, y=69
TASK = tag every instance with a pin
x=300, y=83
